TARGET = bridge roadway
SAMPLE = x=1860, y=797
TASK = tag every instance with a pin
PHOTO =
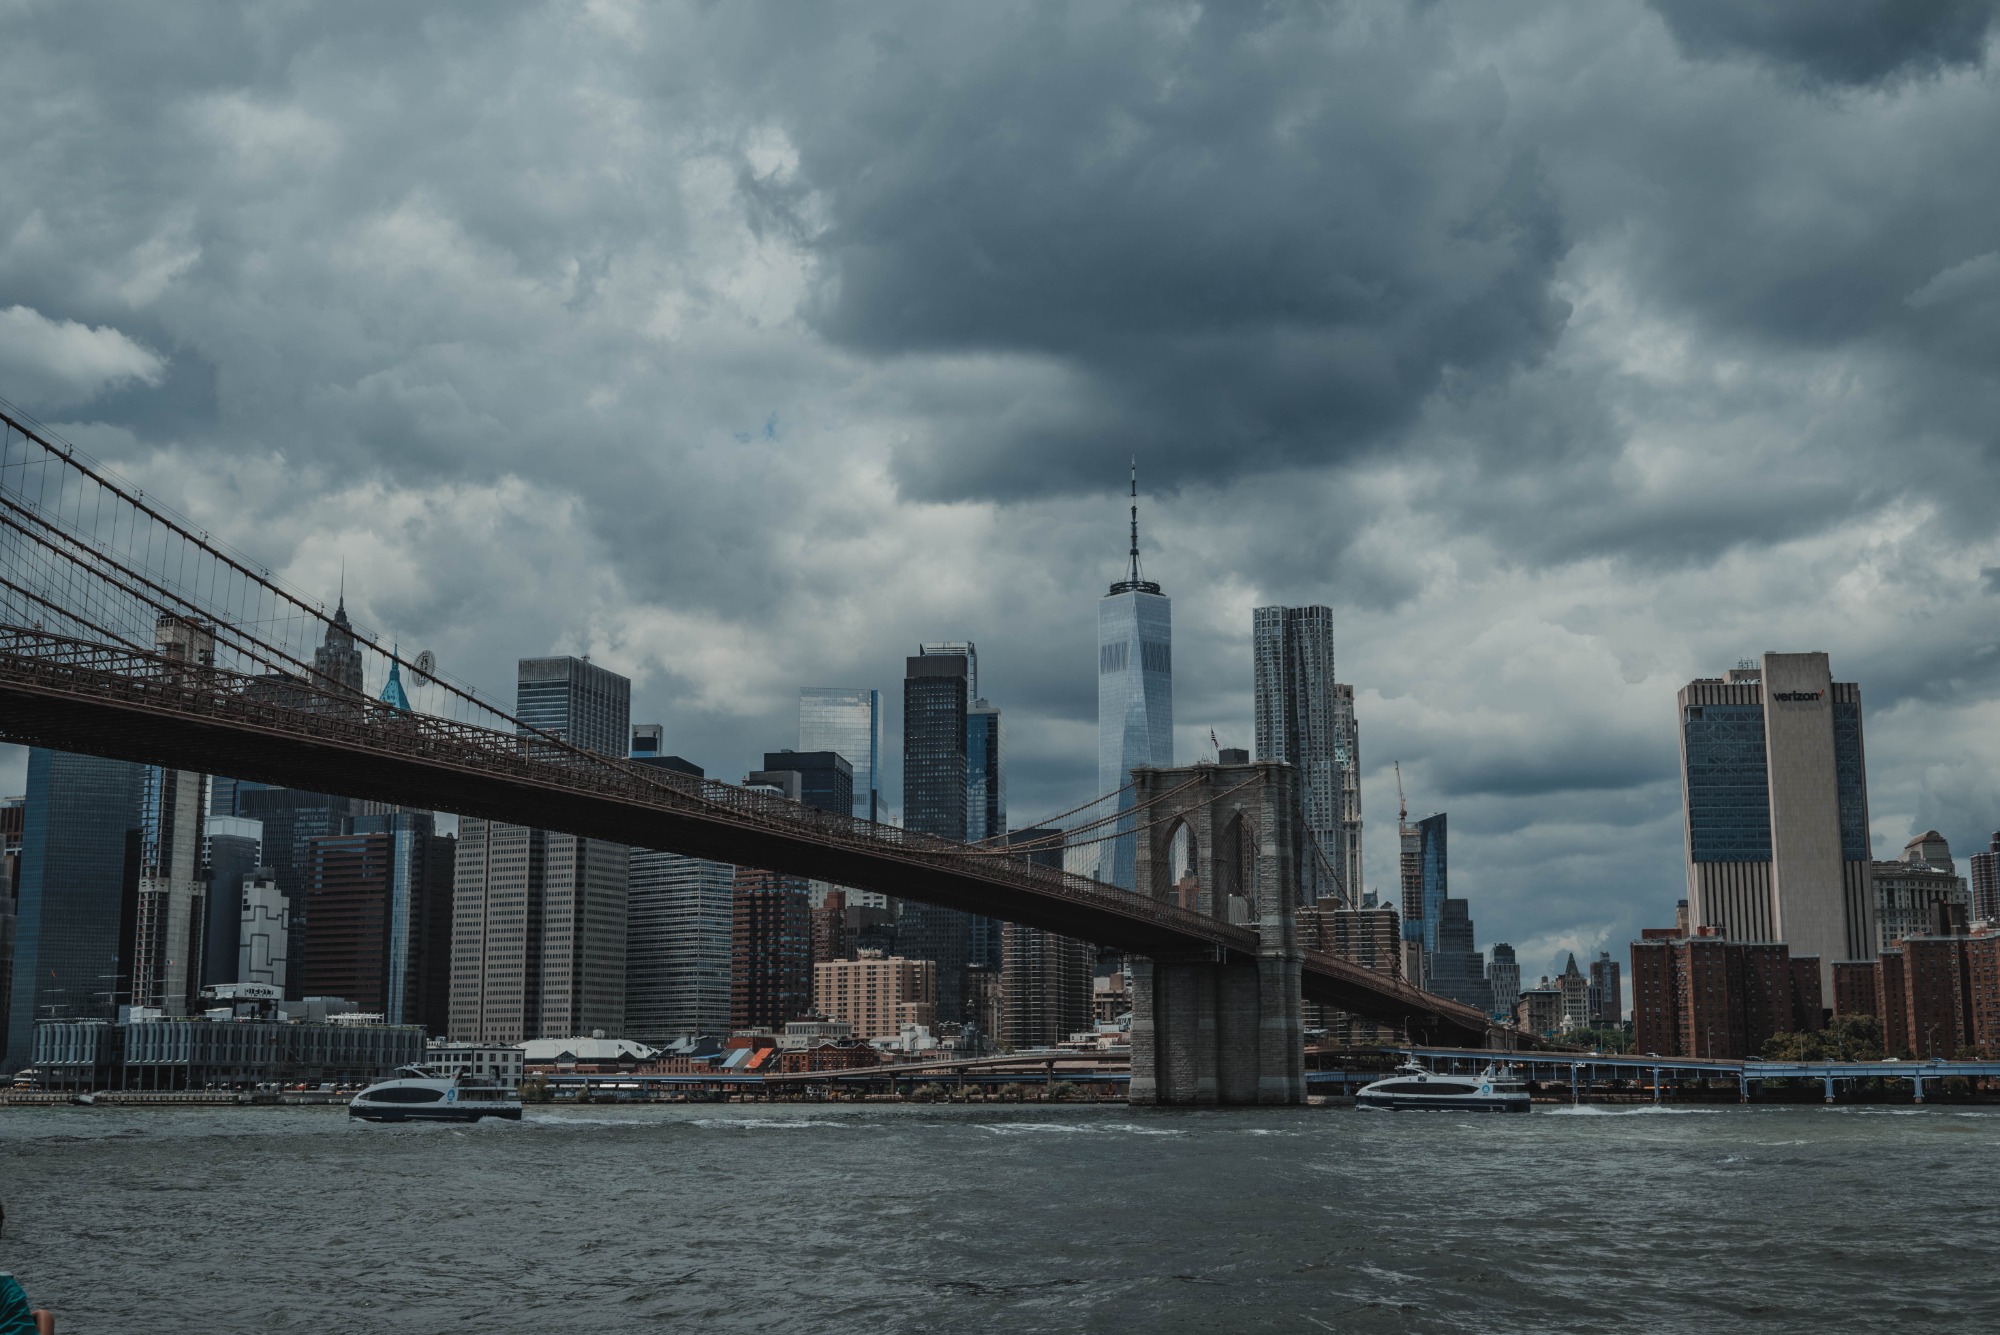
x=129, y=704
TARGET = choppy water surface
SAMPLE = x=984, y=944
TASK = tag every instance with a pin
x=905, y=1218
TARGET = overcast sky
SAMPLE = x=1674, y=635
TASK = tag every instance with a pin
x=1567, y=351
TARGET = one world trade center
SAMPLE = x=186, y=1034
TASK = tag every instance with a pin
x=1135, y=695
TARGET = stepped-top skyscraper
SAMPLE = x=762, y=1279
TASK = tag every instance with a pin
x=1135, y=692
x=1306, y=718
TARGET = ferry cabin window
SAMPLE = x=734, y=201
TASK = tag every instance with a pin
x=406, y=1095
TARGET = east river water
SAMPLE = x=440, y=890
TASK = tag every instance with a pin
x=892, y=1218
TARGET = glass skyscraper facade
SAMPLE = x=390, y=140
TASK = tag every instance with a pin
x=81, y=817
x=1775, y=794
x=985, y=811
x=1425, y=870
x=935, y=699
x=936, y=696
x=985, y=773
x=847, y=719
x=1306, y=719
x=677, y=949
x=1135, y=697
x=573, y=698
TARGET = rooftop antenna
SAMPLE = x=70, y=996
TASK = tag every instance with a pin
x=1133, y=583
x=1135, y=520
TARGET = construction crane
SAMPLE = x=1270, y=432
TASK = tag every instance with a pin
x=1214, y=747
x=1402, y=807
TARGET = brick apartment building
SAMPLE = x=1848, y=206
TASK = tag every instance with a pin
x=1932, y=994
x=1706, y=996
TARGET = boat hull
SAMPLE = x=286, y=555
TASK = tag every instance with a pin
x=435, y=1113
x=1473, y=1103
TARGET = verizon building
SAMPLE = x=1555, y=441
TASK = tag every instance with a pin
x=1776, y=796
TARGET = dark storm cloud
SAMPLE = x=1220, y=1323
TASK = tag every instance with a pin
x=1566, y=350
x=1848, y=43
x=1261, y=238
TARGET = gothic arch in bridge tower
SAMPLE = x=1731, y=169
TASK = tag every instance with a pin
x=1221, y=1030
x=1179, y=863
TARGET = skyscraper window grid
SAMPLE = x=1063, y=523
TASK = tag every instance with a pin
x=1135, y=693
x=1305, y=718
x=847, y=719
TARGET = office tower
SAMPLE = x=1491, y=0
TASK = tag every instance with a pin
x=821, y=779
x=291, y=819
x=1503, y=979
x=1775, y=790
x=264, y=936
x=231, y=848
x=576, y=700
x=1606, y=990
x=985, y=773
x=170, y=906
x=985, y=818
x=1306, y=718
x=936, y=693
x=170, y=924
x=848, y=720
x=496, y=933
x=80, y=817
x=1044, y=978
x=771, y=950
x=1424, y=887
x=585, y=890
x=1135, y=694
x=539, y=917
x=678, y=917
x=538, y=934
x=1986, y=883
x=337, y=661
x=1911, y=892
x=1455, y=969
x=677, y=951
x=380, y=902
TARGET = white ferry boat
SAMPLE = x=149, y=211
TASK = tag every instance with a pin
x=1412, y=1088
x=417, y=1094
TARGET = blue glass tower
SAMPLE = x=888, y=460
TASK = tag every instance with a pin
x=1135, y=693
x=78, y=832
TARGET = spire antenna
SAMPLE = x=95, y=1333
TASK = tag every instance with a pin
x=1134, y=576
x=1134, y=582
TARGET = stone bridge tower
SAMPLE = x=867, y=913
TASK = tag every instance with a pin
x=1208, y=1031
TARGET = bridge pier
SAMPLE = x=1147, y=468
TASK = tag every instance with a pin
x=1210, y=1031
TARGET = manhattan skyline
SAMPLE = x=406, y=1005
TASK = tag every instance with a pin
x=692, y=418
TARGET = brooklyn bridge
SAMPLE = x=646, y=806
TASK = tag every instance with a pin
x=125, y=632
